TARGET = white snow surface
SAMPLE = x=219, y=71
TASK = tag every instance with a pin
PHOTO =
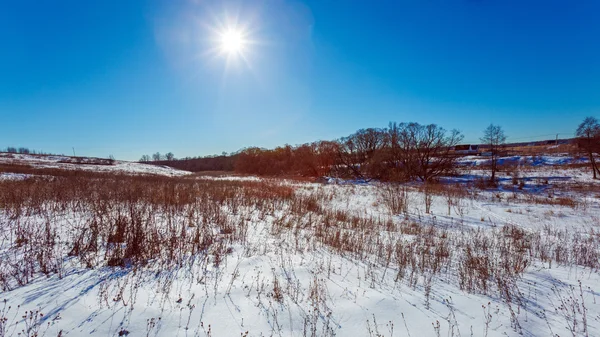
x=63, y=162
x=542, y=160
x=13, y=176
x=356, y=298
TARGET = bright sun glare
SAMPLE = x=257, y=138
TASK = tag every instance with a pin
x=232, y=41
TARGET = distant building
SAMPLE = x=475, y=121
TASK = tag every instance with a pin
x=467, y=149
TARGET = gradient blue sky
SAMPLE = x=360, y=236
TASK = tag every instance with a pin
x=134, y=77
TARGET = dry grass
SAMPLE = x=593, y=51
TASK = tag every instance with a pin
x=119, y=221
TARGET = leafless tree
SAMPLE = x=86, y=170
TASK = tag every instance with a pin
x=588, y=140
x=157, y=156
x=494, y=138
x=315, y=159
x=145, y=158
x=359, y=153
x=421, y=151
x=170, y=156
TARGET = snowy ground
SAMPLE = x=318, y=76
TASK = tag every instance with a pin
x=324, y=270
x=536, y=161
x=63, y=162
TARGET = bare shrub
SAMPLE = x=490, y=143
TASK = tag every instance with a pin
x=395, y=198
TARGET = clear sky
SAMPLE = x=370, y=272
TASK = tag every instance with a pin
x=134, y=77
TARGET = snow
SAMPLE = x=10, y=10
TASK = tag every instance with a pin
x=13, y=176
x=65, y=163
x=231, y=178
x=561, y=159
x=326, y=292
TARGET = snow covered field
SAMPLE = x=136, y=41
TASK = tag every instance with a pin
x=67, y=163
x=203, y=256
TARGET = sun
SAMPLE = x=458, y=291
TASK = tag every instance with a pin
x=232, y=41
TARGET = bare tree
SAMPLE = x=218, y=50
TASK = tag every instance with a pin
x=315, y=159
x=421, y=151
x=359, y=153
x=145, y=158
x=170, y=156
x=494, y=138
x=588, y=140
x=157, y=156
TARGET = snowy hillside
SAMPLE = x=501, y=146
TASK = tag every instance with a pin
x=87, y=164
x=542, y=160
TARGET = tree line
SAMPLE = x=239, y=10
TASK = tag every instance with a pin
x=400, y=152
x=157, y=157
x=222, y=162
x=21, y=150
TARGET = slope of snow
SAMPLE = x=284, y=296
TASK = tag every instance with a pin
x=523, y=160
x=66, y=163
x=13, y=176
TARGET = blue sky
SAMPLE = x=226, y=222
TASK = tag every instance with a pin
x=134, y=77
